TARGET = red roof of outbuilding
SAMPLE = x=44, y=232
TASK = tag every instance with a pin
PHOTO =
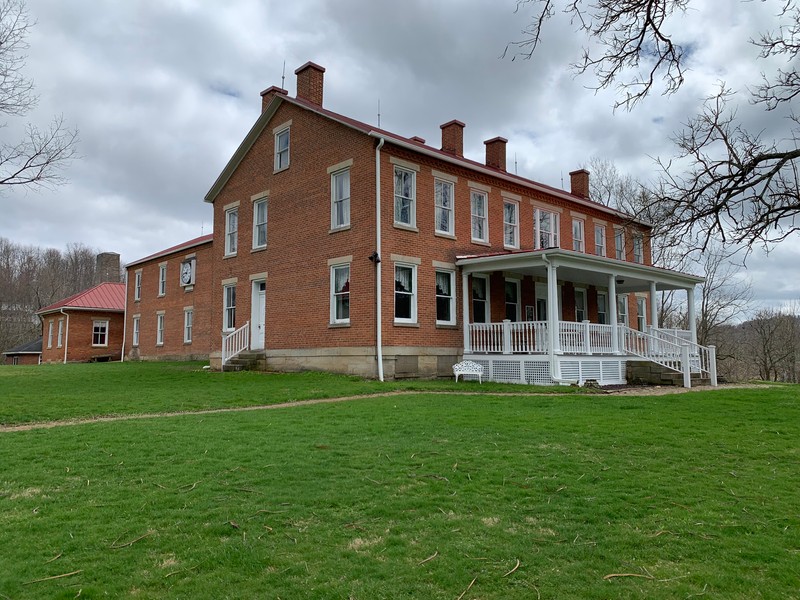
x=106, y=296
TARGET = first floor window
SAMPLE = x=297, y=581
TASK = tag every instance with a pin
x=577, y=235
x=641, y=314
x=340, y=191
x=546, y=226
x=580, y=305
x=100, y=333
x=602, y=308
x=136, y=326
x=599, y=240
x=622, y=310
x=443, y=192
x=231, y=230
x=160, y=329
x=60, y=340
x=188, y=318
x=50, y=335
x=260, y=223
x=340, y=294
x=229, y=308
x=404, y=193
x=480, y=225
x=445, y=298
x=512, y=300
x=511, y=224
x=480, y=299
x=405, y=294
x=619, y=243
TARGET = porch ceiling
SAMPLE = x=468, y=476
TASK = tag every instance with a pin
x=580, y=268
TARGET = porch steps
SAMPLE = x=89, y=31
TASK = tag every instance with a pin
x=646, y=372
x=246, y=361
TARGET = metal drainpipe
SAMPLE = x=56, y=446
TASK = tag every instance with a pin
x=124, y=319
x=66, y=334
x=378, y=287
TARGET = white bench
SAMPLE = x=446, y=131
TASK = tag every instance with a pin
x=468, y=367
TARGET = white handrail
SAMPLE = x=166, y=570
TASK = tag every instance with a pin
x=235, y=342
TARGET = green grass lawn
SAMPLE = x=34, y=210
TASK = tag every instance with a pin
x=410, y=496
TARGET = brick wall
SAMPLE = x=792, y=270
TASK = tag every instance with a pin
x=77, y=336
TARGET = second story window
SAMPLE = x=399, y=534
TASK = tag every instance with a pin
x=340, y=199
x=619, y=243
x=480, y=225
x=638, y=249
x=137, y=286
x=599, y=240
x=282, y=150
x=577, y=235
x=231, y=231
x=260, y=223
x=404, y=194
x=546, y=234
x=443, y=192
x=162, y=280
x=510, y=224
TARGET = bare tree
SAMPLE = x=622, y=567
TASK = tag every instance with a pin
x=38, y=157
x=773, y=344
x=727, y=182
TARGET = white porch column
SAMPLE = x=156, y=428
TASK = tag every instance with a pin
x=612, y=313
x=653, y=307
x=691, y=313
x=465, y=298
x=552, y=309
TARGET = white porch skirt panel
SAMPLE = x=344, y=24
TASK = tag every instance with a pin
x=534, y=370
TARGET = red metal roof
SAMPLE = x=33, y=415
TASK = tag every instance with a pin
x=203, y=239
x=106, y=296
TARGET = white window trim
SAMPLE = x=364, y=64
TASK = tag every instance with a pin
x=452, y=275
x=225, y=307
x=188, y=325
x=515, y=204
x=619, y=248
x=583, y=293
x=518, y=286
x=641, y=313
x=485, y=217
x=412, y=320
x=256, y=203
x=50, y=334
x=136, y=328
x=603, y=247
x=137, y=285
x=600, y=312
x=451, y=210
x=555, y=241
x=231, y=236
x=622, y=300
x=334, y=175
x=280, y=131
x=638, y=249
x=160, y=327
x=60, y=338
x=162, y=280
x=579, y=243
x=413, y=198
x=333, y=320
x=487, y=302
x=105, y=335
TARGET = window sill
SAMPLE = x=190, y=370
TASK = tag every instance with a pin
x=446, y=325
x=188, y=288
x=505, y=247
x=159, y=345
x=338, y=229
x=416, y=325
x=189, y=343
x=160, y=295
x=405, y=227
x=338, y=325
x=481, y=243
x=99, y=345
x=445, y=235
x=227, y=256
x=258, y=249
x=281, y=170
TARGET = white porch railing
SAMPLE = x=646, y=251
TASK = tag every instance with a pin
x=235, y=342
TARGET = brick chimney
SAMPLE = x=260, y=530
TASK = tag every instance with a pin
x=453, y=137
x=107, y=268
x=496, y=153
x=579, y=183
x=309, y=82
x=268, y=94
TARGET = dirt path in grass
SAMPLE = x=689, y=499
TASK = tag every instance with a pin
x=627, y=391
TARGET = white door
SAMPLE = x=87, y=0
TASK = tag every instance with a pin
x=258, y=313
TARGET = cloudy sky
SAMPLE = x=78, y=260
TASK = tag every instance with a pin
x=163, y=91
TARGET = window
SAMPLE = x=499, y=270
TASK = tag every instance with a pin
x=188, y=318
x=137, y=286
x=445, y=298
x=136, y=329
x=602, y=308
x=619, y=243
x=50, y=335
x=600, y=240
x=622, y=310
x=443, y=199
x=510, y=224
x=577, y=236
x=260, y=223
x=60, y=332
x=160, y=329
x=100, y=333
x=340, y=294
x=546, y=234
x=641, y=314
x=229, y=307
x=282, y=150
x=638, y=249
x=580, y=305
x=340, y=199
x=405, y=294
x=162, y=280
x=231, y=231
x=404, y=193
x=480, y=224
x=512, y=300
x=480, y=299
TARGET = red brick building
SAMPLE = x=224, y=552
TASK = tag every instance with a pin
x=87, y=326
x=29, y=353
x=169, y=303
x=345, y=247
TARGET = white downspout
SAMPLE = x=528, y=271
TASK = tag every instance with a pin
x=66, y=334
x=124, y=319
x=378, y=287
